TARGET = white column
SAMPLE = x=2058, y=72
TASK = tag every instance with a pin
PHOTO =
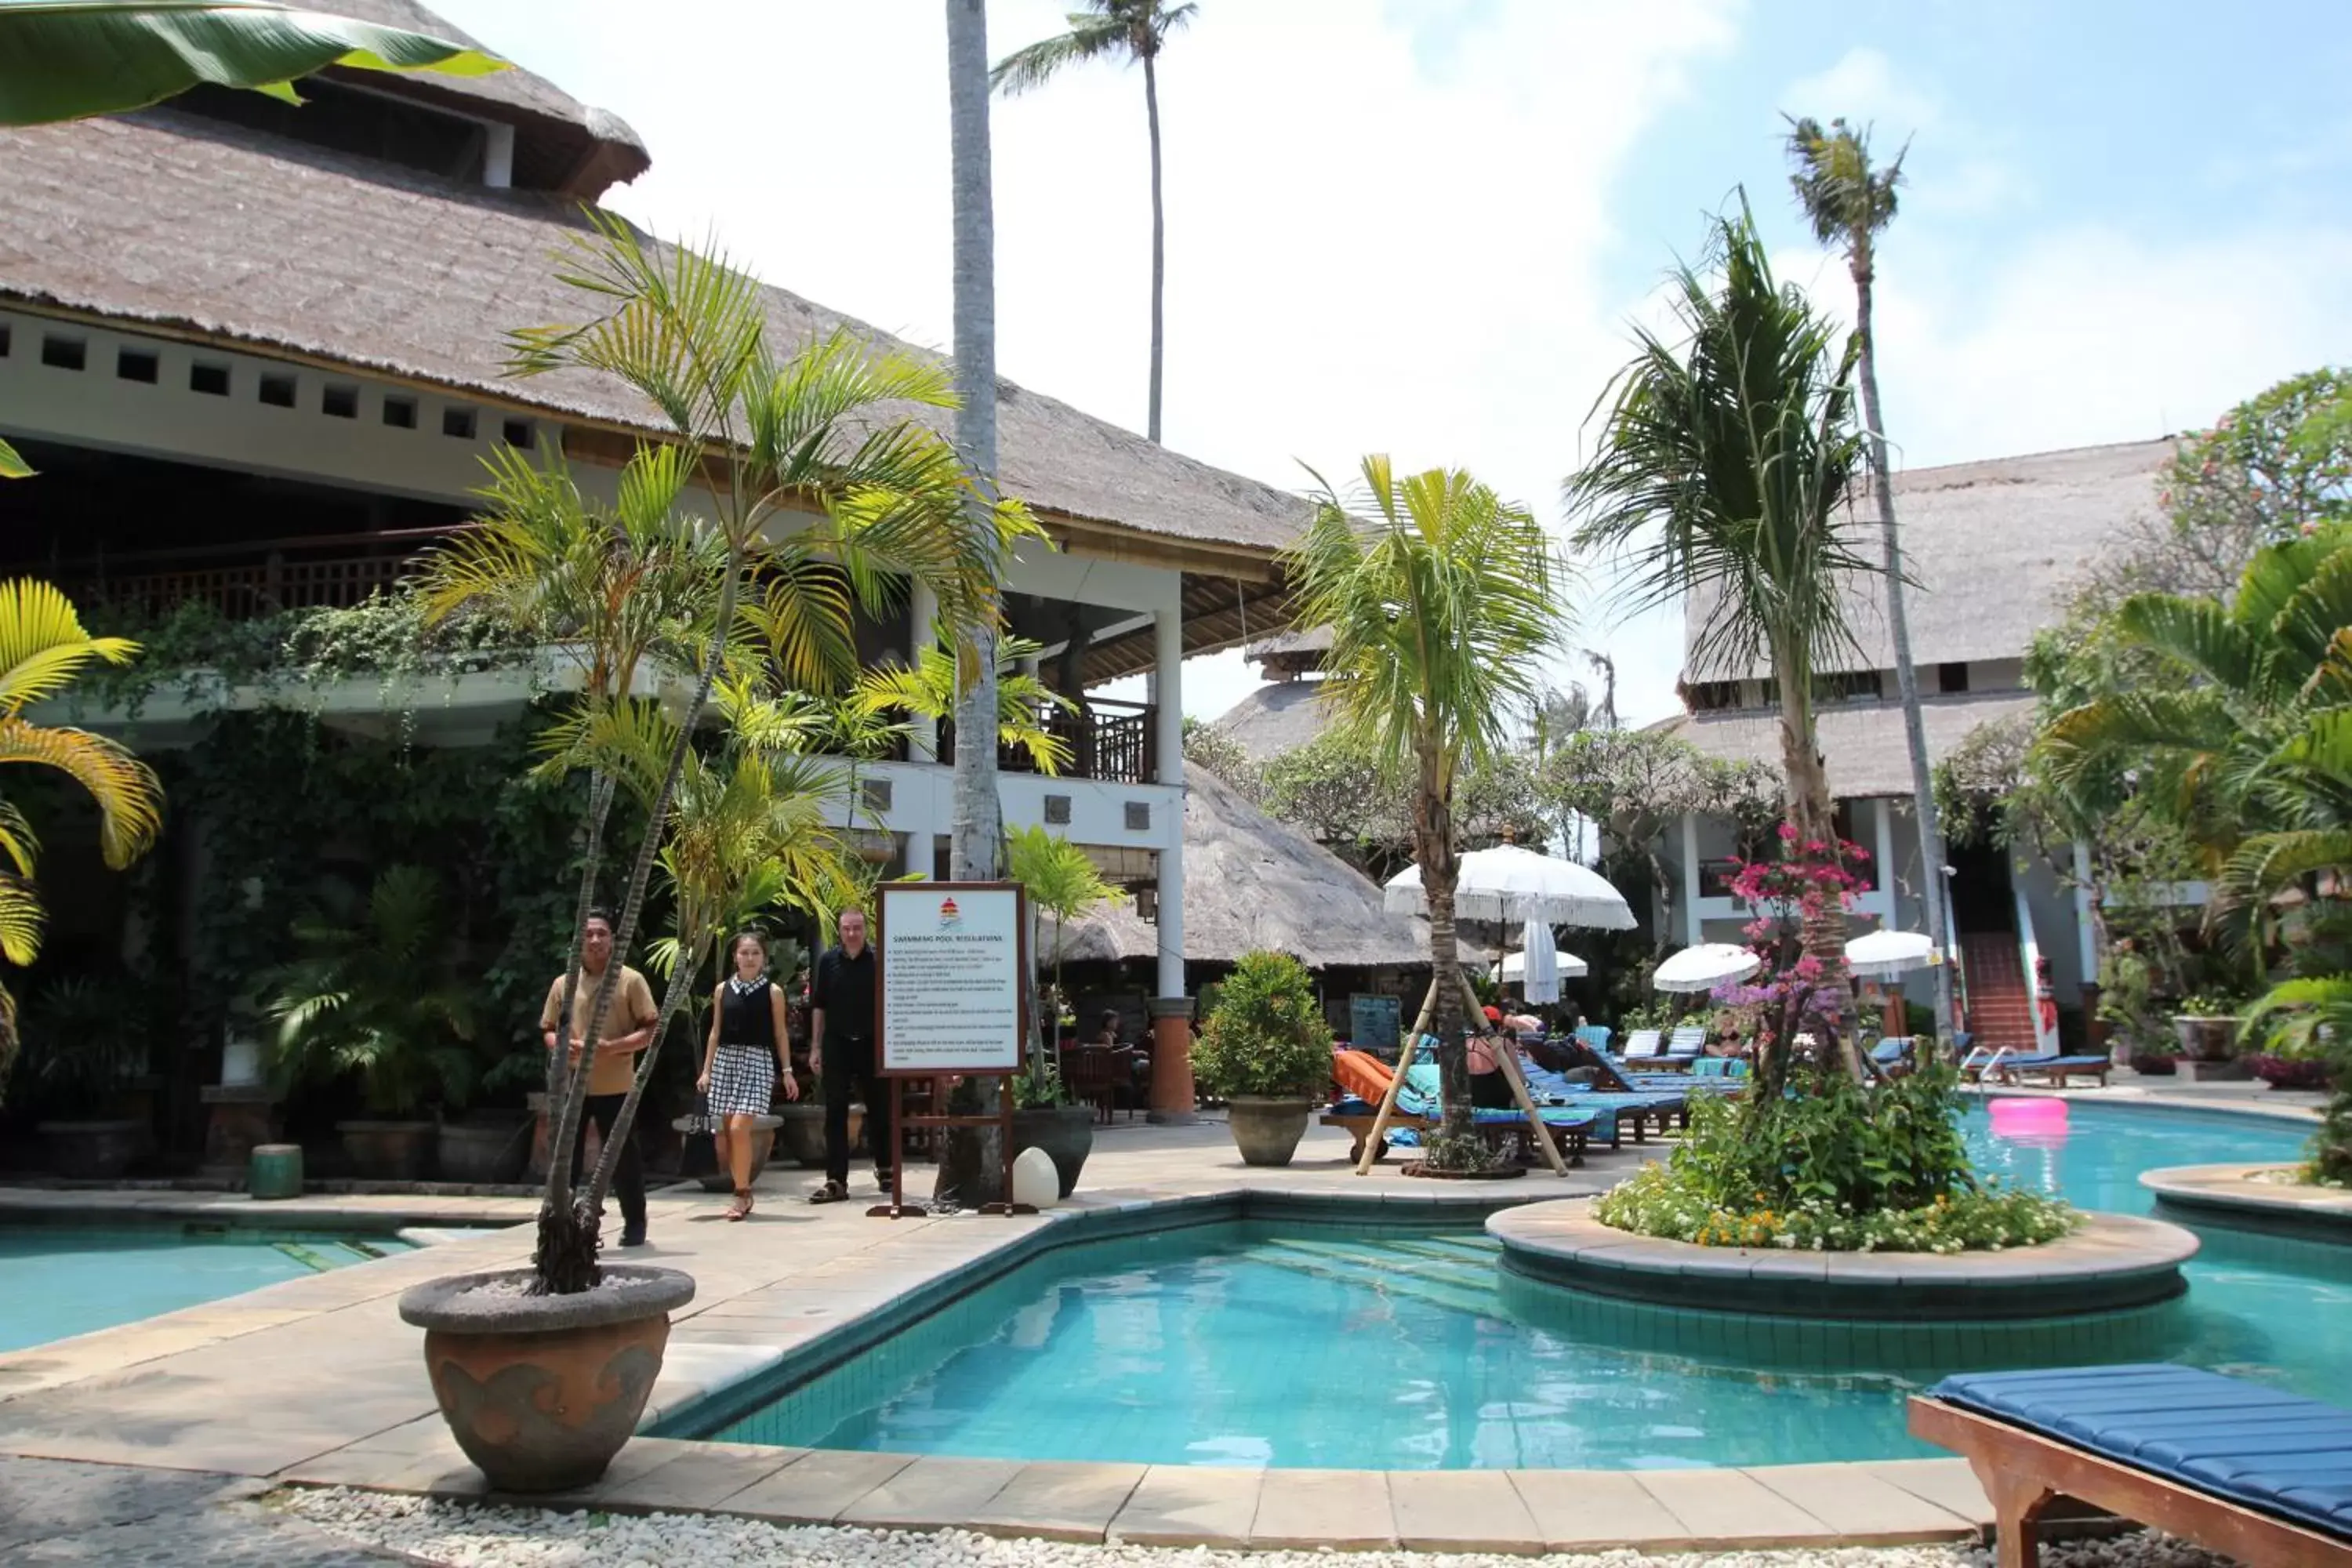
x=1885, y=853
x=498, y=156
x=1690, y=880
x=922, y=734
x=1167, y=719
x=2086, y=920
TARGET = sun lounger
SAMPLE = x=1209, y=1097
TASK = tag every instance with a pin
x=1641, y=1045
x=1895, y=1054
x=1730, y=1068
x=1686, y=1044
x=1420, y=1109
x=1593, y=1034
x=2054, y=1069
x=2255, y=1473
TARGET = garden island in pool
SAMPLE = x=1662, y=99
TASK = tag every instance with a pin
x=1256, y=1332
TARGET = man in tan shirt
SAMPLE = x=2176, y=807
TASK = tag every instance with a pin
x=628, y=1029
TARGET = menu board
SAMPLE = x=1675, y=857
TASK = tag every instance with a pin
x=1372, y=1021
x=952, y=958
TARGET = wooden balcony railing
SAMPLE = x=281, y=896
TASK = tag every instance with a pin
x=1113, y=742
x=247, y=579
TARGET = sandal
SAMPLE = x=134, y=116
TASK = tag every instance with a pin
x=831, y=1193
x=741, y=1208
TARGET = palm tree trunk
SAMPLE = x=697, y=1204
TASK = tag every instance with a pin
x=564, y=1260
x=1455, y=1146
x=1906, y=674
x=973, y=1167
x=1159, y=241
x=681, y=976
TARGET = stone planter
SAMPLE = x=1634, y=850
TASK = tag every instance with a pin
x=90, y=1151
x=2150, y=1064
x=483, y=1150
x=388, y=1151
x=1066, y=1134
x=540, y=1392
x=764, y=1143
x=2206, y=1039
x=1266, y=1130
x=803, y=1132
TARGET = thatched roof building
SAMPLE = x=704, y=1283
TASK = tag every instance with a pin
x=1252, y=882
x=212, y=222
x=1288, y=713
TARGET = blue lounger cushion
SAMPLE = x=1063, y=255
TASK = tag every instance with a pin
x=2078, y=1063
x=2276, y=1452
x=1552, y=1115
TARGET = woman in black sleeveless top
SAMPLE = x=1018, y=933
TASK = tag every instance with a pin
x=742, y=1060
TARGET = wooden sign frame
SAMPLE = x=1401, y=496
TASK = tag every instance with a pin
x=1002, y=1118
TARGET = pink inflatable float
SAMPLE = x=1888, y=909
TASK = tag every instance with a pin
x=2014, y=1118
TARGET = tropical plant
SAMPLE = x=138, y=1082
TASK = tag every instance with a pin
x=1441, y=601
x=84, y=1042
x=1339, y=788
x=44, y=650
x=2310, y=1019
x=1849, y=201
x=1209, y=749
x=1024, y=704
x=817, y=482
x=1266, y=1035
x=1723, y=465
x=1061, y=880
x=71, y=59
x=375, y=992
x=1135, y=30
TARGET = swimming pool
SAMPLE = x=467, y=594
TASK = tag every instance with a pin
x=64, y=1281
x=1304, y=1345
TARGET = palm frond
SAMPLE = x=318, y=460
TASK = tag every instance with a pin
x=129, y=796
x=18, y=843
x=1033, y=66
x=43, y=647
x=22, y=919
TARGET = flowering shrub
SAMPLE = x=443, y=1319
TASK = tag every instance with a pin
x=1658, y=1201
x=1797, y=1000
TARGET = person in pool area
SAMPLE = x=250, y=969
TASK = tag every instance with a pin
x=744, y=1059
x=841, y=1037
x=1490, y=1089
x=628, y=1029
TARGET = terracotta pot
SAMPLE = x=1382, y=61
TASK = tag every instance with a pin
x=389, y=1151
x=719, y=1179
x=1066, y=1134
x=2206, y=1039
x=1268, y=1129
x=540, y=1392
x=803, y=1132
x=90, y=1151
x=482, y=1149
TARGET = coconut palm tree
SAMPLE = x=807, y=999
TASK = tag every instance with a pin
x=44, y=650
x=71, y=59
x=1723, y=461
x=814, y=477
x=1848, y=201
x=1439, y=597
x=1134, y=30
x=927, y=688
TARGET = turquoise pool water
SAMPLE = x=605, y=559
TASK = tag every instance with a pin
x=57, y=1280
x=1302, y=1346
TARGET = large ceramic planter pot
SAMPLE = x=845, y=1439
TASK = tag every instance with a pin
x=1066, y=1134
x=803, y=1132
x=90, y=1151
x=540, y=1392
x=389, y=1151
x=2150, y=1064
x=2206, y=1039
x=483, y=1150
x=1266, y=1130
x=764, y=1143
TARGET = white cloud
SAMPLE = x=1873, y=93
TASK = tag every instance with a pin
x=1864, y=88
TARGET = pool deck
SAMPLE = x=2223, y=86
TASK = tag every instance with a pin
x=316, y=1381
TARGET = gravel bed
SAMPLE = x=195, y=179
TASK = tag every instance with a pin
x=463, y=1535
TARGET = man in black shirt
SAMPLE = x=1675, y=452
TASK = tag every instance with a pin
x=841, y=1034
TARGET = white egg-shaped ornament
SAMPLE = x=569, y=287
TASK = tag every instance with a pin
x=1034, y=1179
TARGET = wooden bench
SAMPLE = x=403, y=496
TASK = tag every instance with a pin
x=2255, y=1473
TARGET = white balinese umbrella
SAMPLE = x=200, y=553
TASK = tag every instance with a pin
x=1539, y=964
x=1704, y=967
x=1506, y=885
x=1881, y=954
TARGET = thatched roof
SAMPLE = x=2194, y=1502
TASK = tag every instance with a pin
x=1993, y=548
x=566, y=144
x=1252, y=882
x=168, y=220
x=1863, y=743
x=1275, y=719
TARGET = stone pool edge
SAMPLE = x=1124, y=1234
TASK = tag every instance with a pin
x=2230, y=1194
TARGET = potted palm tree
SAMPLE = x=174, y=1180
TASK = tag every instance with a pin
x=820, y=464
x=1266, y=1051
x=375, y=994
x=81, y=1051
x=1061, y=881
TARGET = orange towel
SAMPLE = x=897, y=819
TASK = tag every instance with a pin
x=1361, y=1074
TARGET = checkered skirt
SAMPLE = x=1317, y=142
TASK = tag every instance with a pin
x=743, y=1080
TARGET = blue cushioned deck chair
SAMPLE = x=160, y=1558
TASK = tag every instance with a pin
x=1686, y=1044
x=1641, y=1045
x=2053, y=1069
x=2255, y=1473
x=1895, y=1055
x=1594, y=1035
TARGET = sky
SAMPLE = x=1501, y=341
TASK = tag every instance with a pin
x=1423, y=226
